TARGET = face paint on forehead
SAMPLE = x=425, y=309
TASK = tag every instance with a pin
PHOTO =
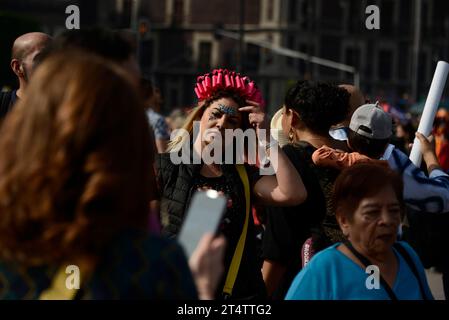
x=227, y=109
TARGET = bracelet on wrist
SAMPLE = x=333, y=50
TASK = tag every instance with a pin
x=270, y=145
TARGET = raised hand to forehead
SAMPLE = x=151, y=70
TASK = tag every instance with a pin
x=257, y=118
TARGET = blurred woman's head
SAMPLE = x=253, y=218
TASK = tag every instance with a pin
x=369, y=206
x=315, y=107
x=76, y=161
x=117, y=46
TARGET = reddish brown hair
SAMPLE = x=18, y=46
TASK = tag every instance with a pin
x=75, y=162
x=360, y=181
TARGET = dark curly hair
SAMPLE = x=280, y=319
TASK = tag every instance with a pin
x=76, y=166
x=320, y=105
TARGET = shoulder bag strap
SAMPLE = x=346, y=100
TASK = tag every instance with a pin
x=238, y=253
x=408, y=259
x=366, y=262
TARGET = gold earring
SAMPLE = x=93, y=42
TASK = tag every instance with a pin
x=290, y=135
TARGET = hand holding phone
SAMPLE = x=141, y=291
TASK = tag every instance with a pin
x=206, y=265
x=203, y=216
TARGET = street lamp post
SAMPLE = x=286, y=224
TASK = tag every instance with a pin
x=241, y=63
x=135, y=26
x=416, y=49
x=310, y=13
x=135, y=15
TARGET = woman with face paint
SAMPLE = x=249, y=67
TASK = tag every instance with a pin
x=369, y=264
x=227, y=100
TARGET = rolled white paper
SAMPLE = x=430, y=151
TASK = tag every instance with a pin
x=430, y=109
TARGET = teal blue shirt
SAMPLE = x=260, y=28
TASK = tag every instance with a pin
x=331, y=275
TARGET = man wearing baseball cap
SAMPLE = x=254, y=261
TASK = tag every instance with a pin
x=370, y=130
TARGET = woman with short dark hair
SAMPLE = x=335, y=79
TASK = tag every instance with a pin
x=370, y=264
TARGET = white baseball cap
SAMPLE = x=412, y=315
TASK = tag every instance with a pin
x=372, y=122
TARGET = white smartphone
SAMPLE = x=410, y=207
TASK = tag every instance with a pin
x=203, y=216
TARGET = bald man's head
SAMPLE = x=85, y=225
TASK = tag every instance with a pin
x=356, y=100
x=25, y=52
x=27, y=43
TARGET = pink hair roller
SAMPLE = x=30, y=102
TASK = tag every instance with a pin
x=227, y=81
x=232, y=81
x=198, y=93
x=238, y=82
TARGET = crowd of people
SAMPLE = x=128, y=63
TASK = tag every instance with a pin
x=87, y=178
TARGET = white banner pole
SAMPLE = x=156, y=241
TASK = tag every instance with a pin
x=430, y=108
